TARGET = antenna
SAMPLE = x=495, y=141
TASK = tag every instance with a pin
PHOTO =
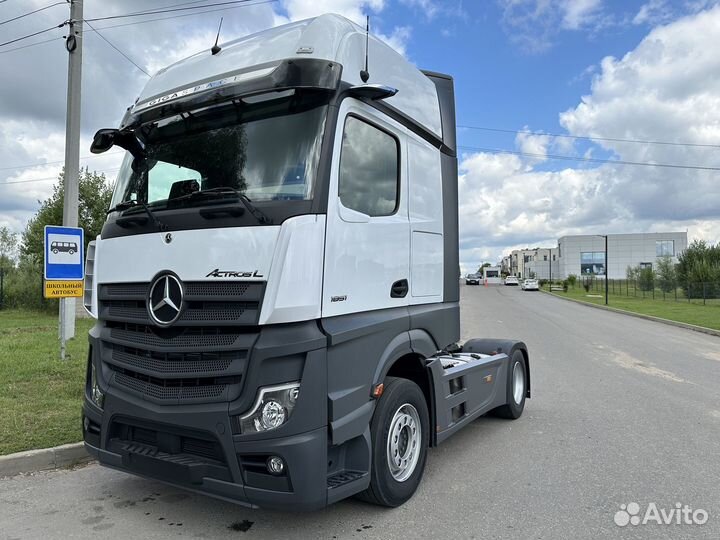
x=216, y=48
x=365, y=74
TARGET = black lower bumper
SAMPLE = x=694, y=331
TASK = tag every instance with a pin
x=183, y=454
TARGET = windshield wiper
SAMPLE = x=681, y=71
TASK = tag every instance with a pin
x=258, y=214
x=126, y=205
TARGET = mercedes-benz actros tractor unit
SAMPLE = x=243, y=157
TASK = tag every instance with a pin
x=276, y=286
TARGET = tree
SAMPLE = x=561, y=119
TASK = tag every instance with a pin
x=646, y=278
x=665, y=273
x=698, y=269
x=95, y=195
x=8, y=247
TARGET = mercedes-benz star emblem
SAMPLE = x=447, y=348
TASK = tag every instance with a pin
x=165, y=300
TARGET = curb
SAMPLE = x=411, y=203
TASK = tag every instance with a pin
x=678, y=324
x=44, y=459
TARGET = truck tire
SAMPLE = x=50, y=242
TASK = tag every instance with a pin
x=516, y=388
x=400, y=431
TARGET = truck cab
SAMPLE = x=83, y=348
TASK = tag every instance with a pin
x=275, y=287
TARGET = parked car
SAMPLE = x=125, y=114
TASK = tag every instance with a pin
x=472, y=279
x=512, y=280
x=530, y=285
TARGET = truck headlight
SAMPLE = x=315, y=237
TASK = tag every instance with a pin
x=96, y=395
x=272, y=408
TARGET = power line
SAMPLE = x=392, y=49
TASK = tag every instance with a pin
x=33, y=12
x=33, y=34
x=28, y=45
x=612, y=139
x=589, y=160
x=256, y=3
x=51, y=178
x=31, y=165
x=159, y=11
x=118, y=50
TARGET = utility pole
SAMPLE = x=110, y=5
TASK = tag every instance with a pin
x=73, y=44
x=607, y=268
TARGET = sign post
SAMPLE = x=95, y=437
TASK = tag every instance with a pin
x=64, y=273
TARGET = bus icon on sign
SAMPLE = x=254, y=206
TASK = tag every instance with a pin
x=66, y=247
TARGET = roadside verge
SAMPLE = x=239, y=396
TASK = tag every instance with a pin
x=43, y=459
x=678, y=324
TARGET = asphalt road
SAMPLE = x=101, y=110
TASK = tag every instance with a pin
x=623, y=410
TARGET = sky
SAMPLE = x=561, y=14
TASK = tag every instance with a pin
x=533, y=79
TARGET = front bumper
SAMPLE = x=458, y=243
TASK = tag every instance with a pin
x=200, y=453
x=198, y=446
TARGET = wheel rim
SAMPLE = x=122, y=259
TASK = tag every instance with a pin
x=404, y=440
x=518, y=383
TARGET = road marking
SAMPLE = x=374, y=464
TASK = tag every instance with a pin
x=712, y=355
x=714, y=413
x=628, y=362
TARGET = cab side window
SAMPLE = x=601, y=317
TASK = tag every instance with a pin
x=369, y=172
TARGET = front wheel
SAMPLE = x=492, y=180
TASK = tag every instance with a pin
x=400, y=431
x=516, y=388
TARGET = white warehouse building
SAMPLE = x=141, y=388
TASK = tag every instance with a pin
x=584, y=255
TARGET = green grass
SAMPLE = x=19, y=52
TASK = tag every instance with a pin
x=681, y=311
x=40, y=395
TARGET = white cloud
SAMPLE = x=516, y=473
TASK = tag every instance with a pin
x=534, y=25
x=429, y=7
x=355, y=10
x=654, y=12
x=579, y=14
x=398, y=38
x=666, y=89
x=533, y=143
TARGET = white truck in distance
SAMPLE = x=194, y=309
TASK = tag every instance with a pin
x=276, y=285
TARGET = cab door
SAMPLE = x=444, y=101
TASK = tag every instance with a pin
x=367, y=252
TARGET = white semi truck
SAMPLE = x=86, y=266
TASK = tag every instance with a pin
x=276, y=285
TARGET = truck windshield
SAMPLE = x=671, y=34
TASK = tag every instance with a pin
x=265, y=152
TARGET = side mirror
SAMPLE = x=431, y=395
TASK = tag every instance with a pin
x=103, y=140
x=372, y=91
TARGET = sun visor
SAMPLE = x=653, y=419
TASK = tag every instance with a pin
x=300, y=73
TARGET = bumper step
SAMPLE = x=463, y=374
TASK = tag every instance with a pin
x=342, y=478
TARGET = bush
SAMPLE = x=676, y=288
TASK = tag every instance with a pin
x=565, y=284
x=23, y=288
x=699, y=263
x=586, y=285
x=665, y=274
x=571, y=280
x=646, y=279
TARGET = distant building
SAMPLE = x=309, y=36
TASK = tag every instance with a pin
x=491, y=274
x=584, y=255
x=536, y=262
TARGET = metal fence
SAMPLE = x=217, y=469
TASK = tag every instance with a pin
x=700, y=293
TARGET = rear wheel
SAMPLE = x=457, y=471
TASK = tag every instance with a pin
x=516, y=388
x=400, y=433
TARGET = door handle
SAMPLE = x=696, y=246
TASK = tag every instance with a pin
x=399, y=289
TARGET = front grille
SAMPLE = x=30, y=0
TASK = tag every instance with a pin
x=159, y=389
x=193, y=338
x=174, y=363
x=205, y=303
x=201, y=358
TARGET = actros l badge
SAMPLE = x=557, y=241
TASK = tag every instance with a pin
x=165, y=300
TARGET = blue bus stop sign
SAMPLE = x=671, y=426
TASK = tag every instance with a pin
x=64, y=253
